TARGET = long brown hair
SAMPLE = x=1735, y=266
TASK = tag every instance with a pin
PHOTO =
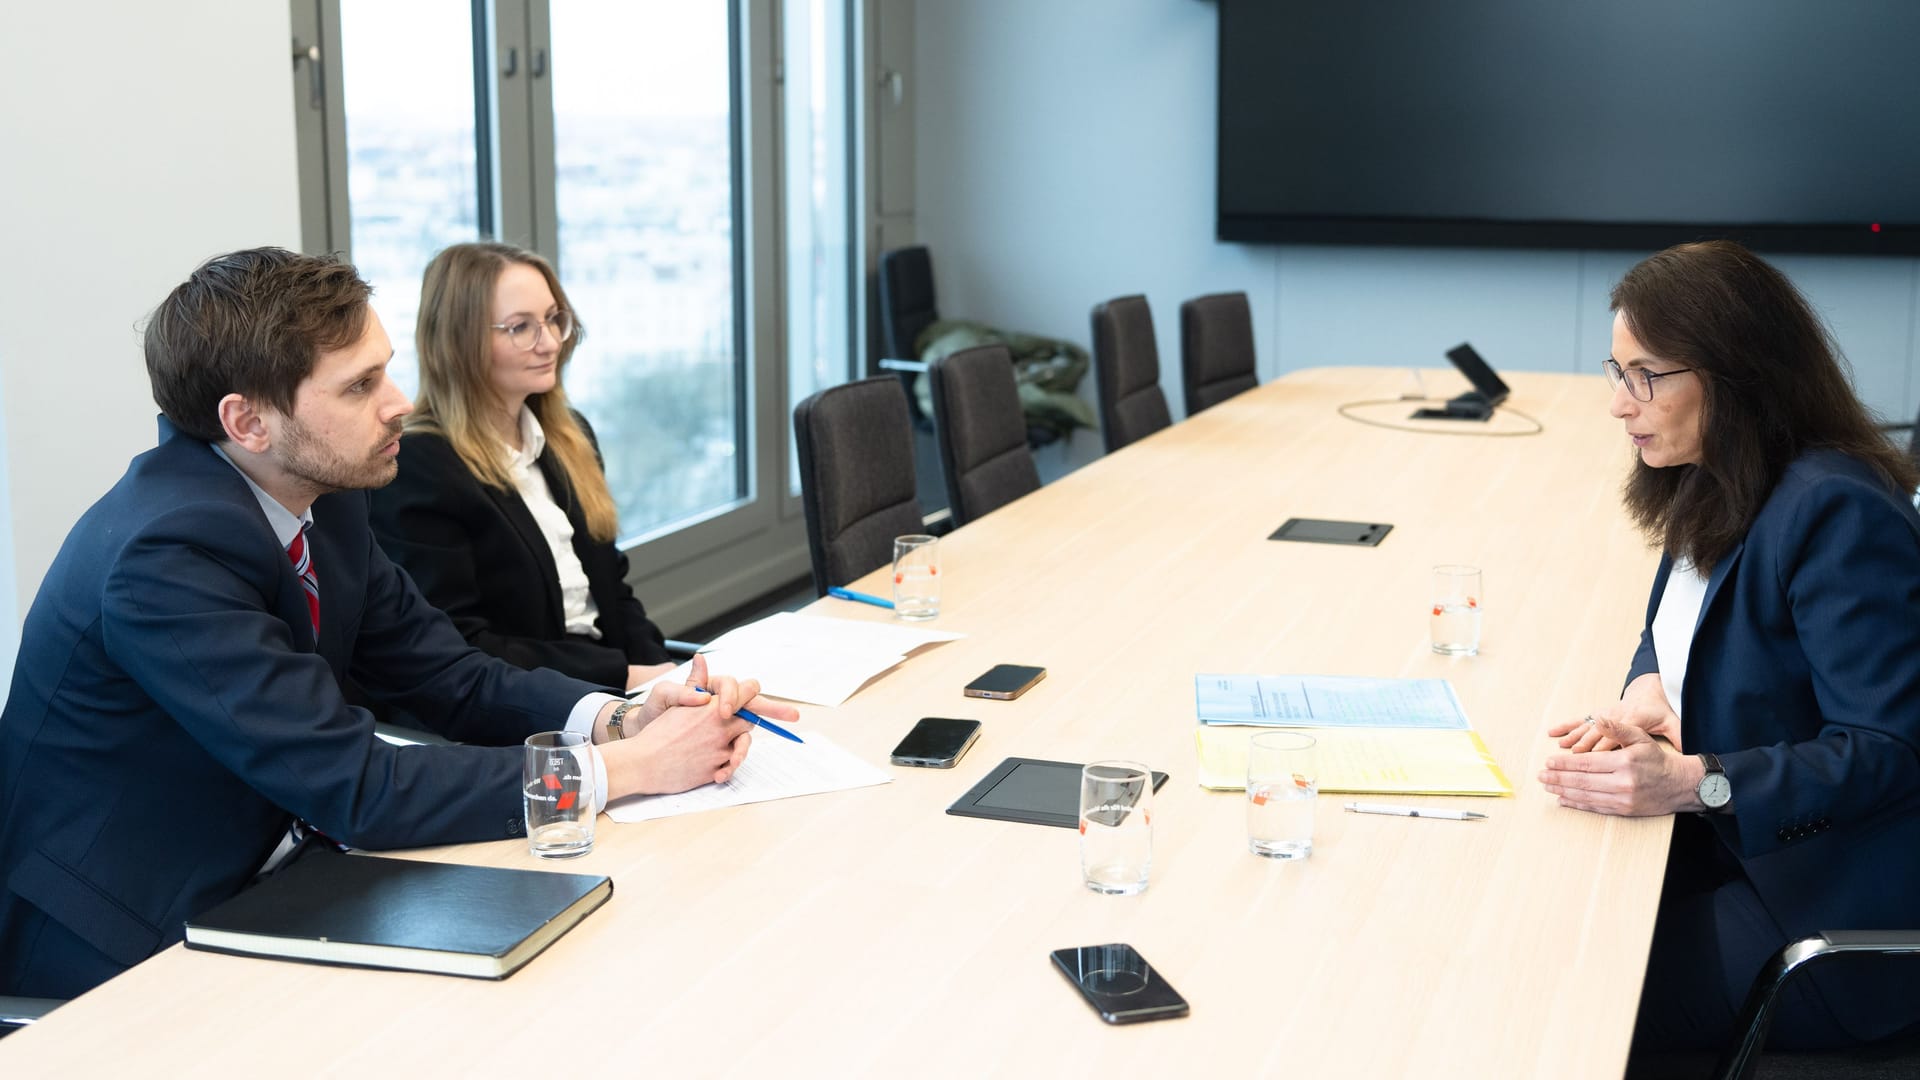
x=1775, y=387
x=454, y=337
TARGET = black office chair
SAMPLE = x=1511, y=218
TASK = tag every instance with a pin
x=856, y=476
x=981, y=431
x=1126, y=367
x=19, y=1012
x=907, y=308
x=1216, y=349
x=1897, y=1057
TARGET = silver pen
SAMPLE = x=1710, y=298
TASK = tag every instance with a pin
x=1413, y=811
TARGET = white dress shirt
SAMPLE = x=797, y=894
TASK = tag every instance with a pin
x=576, y=596
x=1673, y=626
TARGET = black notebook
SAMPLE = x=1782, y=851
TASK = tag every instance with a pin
x=483, y=922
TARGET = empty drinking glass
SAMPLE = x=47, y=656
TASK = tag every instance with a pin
x=1116, y=826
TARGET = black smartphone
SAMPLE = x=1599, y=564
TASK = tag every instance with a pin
x=1119, y=983
x=1004, y=682
x=936, y=742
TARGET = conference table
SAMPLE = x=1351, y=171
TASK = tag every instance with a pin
x=867, y=932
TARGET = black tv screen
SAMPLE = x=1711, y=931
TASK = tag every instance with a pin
x=1792, y=125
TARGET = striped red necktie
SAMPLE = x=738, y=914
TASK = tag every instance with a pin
x=303, y=566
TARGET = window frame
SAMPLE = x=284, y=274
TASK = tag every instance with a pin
x=699, y=567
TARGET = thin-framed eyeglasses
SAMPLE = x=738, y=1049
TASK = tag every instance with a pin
x=525, y=332
x=1639, y=380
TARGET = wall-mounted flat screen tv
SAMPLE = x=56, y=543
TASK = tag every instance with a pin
x=1791, y=125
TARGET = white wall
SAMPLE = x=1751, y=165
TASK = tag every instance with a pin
x=1064, y=155
x=138, y=139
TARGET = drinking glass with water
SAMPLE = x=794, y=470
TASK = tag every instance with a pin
x=1116, y=826
x=1282, y=788
x=1455, y=622
x=916, y=576
x=557, y=776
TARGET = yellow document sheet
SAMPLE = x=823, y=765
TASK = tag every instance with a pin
x=1370, y=760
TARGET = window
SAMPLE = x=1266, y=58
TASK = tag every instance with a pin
x=644, y=183
x=818, y=195
x=687, y=167
x=412, y=163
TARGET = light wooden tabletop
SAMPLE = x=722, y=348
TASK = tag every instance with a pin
x=867, y=932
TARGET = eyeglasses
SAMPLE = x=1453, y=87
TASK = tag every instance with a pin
x=1639, y=380
x=525, y=332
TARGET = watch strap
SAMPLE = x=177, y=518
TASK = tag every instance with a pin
x=616, y=723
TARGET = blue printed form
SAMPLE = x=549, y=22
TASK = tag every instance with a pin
x=1328, y=701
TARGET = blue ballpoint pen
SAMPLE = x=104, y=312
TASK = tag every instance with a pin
x=755, y=718
x=864, y=598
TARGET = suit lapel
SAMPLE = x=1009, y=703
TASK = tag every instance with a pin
x=1715, y=580
x=514, y=509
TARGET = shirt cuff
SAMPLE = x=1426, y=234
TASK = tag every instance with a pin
x=581, y=720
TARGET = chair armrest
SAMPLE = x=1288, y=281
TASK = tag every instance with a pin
x=18, y=1012
x=406, y=736
x=917, y=366
x=682, y=650
x=1756, y=1016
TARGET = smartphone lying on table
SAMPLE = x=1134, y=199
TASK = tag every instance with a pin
x=936, y=742
x=1119, y=983
x=1004, y=682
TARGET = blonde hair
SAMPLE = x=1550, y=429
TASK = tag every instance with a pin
x=454, y=337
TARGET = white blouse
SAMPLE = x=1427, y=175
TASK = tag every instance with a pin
x=1673, y=626
x=576, y=597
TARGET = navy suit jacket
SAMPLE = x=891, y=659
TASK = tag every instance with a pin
x=478, y=555
x=171, y=713
x=1804, y=677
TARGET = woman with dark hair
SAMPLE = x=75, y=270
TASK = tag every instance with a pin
x=501, y=512
x=1780, y=659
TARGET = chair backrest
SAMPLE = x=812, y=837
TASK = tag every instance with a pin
x=906, y=299
x=981, y=430
x=1216, y=349
x=1126, y=368
x=856, y=476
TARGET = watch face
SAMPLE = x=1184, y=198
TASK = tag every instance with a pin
x=1715, y=791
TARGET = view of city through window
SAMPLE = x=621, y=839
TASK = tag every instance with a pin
x=407, y=76
x=644, y=185
x=642, y=148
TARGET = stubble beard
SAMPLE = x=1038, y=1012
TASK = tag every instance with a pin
x=326, y=472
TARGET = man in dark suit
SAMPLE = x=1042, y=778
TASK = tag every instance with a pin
x=176, y=719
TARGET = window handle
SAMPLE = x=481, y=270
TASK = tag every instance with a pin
x=539, y=63
x=513, y=63
x=316, y=74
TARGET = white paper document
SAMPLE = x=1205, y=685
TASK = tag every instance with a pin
x=811, y=658
x=1328, y=701
x=775, y=768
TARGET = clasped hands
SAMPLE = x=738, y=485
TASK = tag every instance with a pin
x=1615, y=764
x=683, y=737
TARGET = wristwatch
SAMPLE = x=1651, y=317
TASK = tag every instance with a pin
x=1714, y=790
x=617, y=721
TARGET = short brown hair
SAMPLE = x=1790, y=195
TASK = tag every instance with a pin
x=249, y=323
x=1774, y=385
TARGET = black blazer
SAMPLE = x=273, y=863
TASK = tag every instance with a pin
x=171, y=713
x=478, y=555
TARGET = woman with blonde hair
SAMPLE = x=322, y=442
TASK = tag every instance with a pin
x=501, y=511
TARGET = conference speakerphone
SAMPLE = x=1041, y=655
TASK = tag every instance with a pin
x=1476, y=404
